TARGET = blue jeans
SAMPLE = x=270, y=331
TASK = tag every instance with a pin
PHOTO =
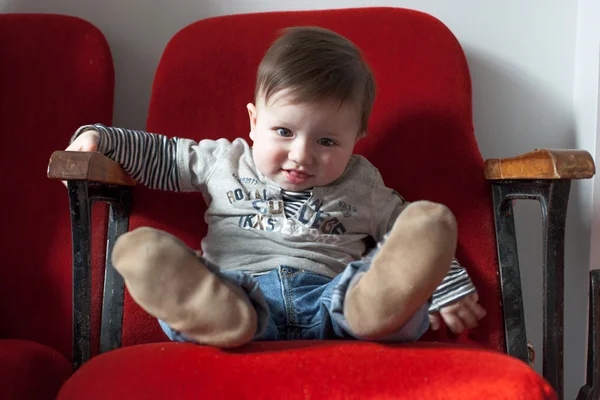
x=294, y=304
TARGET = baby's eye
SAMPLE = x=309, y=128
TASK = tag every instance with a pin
x=326, y=142
x=284, y=132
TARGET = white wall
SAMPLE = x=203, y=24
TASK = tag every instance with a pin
x=522, y=59
x=587, y=104
x=586, y=108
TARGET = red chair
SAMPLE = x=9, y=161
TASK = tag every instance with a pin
x=420, y=137
x=56, y=73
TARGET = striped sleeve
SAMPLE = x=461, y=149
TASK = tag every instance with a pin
x=456, y=285
x=148, y=158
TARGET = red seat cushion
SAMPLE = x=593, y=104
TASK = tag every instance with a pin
x=31, y=371
x=304, y=370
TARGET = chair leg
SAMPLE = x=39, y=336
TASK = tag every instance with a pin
x=114, y=287
x=510, y=276
x=82, y=195
x=80, y=205
x=554, y=201
x=553, y=196
x=591, y=389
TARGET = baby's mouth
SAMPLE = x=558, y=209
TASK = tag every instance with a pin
x=297, y=173
x=296, y=177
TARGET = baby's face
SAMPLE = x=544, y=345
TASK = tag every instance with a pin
x=300, y=146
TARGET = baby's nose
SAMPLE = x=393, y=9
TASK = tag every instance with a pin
x=301, y=152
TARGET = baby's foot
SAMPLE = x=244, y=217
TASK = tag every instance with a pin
x=410, y=265
x=167, y=280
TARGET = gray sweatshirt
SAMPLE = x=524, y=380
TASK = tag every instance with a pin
x=248, y=229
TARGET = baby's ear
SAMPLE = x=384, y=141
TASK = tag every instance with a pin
x=252, y=116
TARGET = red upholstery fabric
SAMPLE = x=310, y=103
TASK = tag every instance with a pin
x=309, y=370
x=56, y=74
x=29, y=370
x=420, y=136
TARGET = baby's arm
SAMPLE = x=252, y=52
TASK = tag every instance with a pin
x=148, y=158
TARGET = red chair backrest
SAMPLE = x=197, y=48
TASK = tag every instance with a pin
x=420, y=135
x=56, y=74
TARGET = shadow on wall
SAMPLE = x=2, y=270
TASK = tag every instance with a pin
x=514, y=114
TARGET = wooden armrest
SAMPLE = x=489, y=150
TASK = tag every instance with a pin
x=542, y=164
x=87, y=166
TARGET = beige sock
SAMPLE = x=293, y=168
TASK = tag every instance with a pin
x=167, y=280
x=407, y=269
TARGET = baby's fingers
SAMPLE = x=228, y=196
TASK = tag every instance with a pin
x=82, y=145
x=453, y=322
x=75, y=146
x=435, y=321
x=87, y=141
x=468, y=318
x=478, y=310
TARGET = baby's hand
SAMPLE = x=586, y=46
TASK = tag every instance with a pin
x=459, y=316
x=87, y=141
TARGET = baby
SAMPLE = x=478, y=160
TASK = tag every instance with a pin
x=290, y=218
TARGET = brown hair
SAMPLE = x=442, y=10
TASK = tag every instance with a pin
x=317, y=64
